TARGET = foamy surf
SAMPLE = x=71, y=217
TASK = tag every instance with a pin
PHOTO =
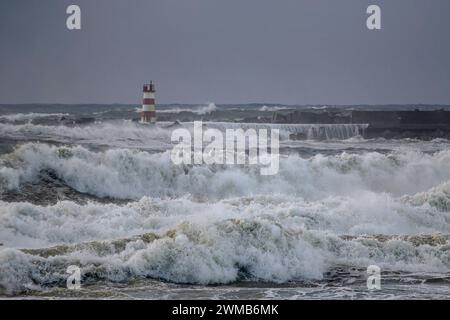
x=106, y=197
x=260, y=238
x=222, y=252
x=132, y=174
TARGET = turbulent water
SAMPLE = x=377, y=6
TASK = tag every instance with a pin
x=104, y=195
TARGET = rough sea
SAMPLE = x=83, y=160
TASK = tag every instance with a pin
x=85, y=185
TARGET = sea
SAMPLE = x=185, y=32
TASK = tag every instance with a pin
x=88, y=186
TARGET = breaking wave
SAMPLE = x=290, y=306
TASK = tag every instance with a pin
x=132, y=174
x=272, y=108
x=130, y=134
x=260, y=238
x=221, y=224
x=130, y=214
x=438, y=197
x=120, y=134
x=211, y=107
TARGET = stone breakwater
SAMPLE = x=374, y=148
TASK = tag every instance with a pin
x=416, y=124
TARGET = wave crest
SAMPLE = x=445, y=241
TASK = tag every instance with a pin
x=132, y=174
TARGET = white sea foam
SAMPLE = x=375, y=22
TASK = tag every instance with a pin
x=219, y=224
x=129, y=134
x=28, y=225
x=269, y=238
x=201, y=110
x=211, y=107
x=118, y=133
x=437, y=197
x=215, y=224
x=131, y=174
x=271, y=109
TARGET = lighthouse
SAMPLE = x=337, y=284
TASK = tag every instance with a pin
x=148, y=113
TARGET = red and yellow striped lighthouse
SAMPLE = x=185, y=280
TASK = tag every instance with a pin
x=148, y=113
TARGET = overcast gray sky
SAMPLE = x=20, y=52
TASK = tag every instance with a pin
x=225, y=51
